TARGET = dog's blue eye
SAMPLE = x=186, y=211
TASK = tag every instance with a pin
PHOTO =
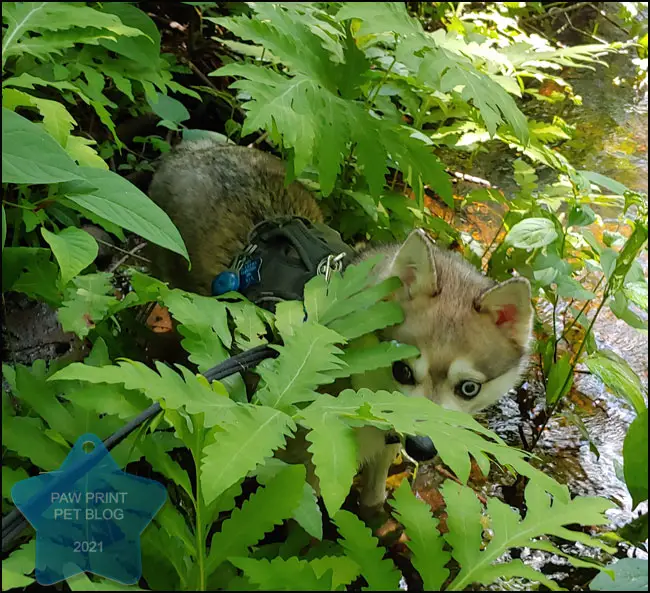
x=468, y=389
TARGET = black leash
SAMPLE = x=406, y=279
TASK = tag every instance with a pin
x=14, y=523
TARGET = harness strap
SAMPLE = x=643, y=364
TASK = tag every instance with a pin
x=282, y=255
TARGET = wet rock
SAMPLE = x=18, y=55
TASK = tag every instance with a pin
x=31, y=331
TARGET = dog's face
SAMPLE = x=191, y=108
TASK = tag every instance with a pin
x=472, y=334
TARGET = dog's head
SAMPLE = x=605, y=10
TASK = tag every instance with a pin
x=472, y=333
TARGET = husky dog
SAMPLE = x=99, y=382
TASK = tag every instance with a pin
x=472, y=333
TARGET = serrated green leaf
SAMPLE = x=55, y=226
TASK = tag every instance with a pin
x=425, y=541
x=635, y=458
x=377, y=316
x=360, y=360
x=360, y=545
x=28, y=439
x=49, y=17
x=256, y=433
x=74, y=250
x=9, y=477
x=334, y=453
x=306, y=357
x=190, y=391
x=292, y=574
x=86, y=303
x=31, y=155
x=307, y=514
x=543, y=517
x=269, y=506
x=20, y=563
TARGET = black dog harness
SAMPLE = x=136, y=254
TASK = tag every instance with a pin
x=282, y=255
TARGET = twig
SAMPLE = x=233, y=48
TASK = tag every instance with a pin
x=259, y=140
x=132, y=253
x=443, y=472
x=610, y=20
x=557, y=11
x=472, y=179
x=202, y=76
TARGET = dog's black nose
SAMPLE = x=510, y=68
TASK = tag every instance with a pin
x=420, y=448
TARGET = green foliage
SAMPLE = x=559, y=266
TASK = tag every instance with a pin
x=361, y=99
x=630, y=574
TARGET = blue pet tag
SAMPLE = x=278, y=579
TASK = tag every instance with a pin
x=249, y=274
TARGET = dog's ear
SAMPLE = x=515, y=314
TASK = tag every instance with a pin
x=509, y=306
x=414, y=264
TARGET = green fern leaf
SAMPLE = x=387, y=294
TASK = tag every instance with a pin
x=377, y=316
x=362, y=547
x=292, y=574
x=447, y=71
x=543, y=518
x=47, y=17
x=425, y=541
x=344, y=570
x=367, y=356
x=303, y=116
x=165, y=385
x=18, y=565
x=238, y=449
x=308, y=514
x=334, y=452
x=304, y=359
x=269, y=506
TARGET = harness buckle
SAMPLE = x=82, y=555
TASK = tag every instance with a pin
x=330, y=264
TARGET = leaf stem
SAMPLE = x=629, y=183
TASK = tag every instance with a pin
x=200, y=536
x=550, y=413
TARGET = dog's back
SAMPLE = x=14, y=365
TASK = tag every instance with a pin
x=215, y=194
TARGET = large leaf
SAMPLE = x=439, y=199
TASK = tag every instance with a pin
x=604, y=181
x=119, y=201
x=144, y=48
x=292, y=574
x=617, y=375
x=48, y=17
x=531, y=233
x=31, y=155
x=190, y=391
x=424, y=539
x=18, y=565
x=269, y=506
x=314, y=121
x=542, y=518
x=256, y=433
x=74, y=250
x=630, y=574
x=334, y=453
x=360, y=545
x=304, y=358
x=635, y=458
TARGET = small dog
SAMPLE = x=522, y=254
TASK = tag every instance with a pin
x=472, y=333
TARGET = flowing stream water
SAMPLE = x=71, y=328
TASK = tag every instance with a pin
x=611, y=138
